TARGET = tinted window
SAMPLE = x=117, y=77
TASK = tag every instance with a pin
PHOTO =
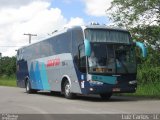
x=45, y=48
x=61, y=43
x=56, y=45
x=104, y=35
x=82, y=59
x=77, y=39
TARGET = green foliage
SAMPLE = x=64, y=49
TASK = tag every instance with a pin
x=150, y=34
x=7, y=66
x=148, y=75
x=149, y=90
x=152, y=59
x=127, y=12
x=149, y=68
x=140, y=17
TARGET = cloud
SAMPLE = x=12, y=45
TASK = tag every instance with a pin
x=97, y=7
x=17, y=3
x=37, y=17
x=75, y=21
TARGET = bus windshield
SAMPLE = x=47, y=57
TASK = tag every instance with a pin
x=112, y=58
x=125, y=59
x=111, y=52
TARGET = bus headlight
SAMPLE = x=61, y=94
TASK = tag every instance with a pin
x=132, y=82
x=91, y=89
x=95, y=82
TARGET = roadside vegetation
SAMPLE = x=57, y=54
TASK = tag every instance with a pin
x=8, y=81
x=7, y=71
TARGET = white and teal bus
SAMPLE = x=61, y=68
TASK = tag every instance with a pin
x=85, y=60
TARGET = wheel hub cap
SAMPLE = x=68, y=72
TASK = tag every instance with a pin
x=67, y=89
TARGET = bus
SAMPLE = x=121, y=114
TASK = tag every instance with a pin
x=85, y=60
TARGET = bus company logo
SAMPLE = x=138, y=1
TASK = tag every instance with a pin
x=53, y=62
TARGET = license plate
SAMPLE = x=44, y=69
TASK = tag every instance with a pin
x=116, y=89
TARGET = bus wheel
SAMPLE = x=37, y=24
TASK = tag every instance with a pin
x=106, y=96
x=28, y=88
x=67, y=90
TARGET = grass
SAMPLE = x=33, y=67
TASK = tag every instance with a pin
x=8, y=81
x=151, y=90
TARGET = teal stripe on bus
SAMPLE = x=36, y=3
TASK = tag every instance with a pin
x=32, y=77
x=38, y=77
x=105, y=79
x=44, y=77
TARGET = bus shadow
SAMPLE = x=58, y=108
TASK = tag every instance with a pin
x=97, y=98
x=92, y=98
x=51, y=94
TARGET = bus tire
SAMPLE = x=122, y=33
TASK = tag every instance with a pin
x=29, y=90
x=105, y=96
x=67, y=92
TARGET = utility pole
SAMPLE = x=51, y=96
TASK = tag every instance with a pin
x=30, y=36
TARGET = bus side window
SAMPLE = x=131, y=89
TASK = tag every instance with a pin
x=77, y=40
x=82, y=59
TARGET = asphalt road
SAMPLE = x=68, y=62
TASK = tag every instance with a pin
x=16, y=101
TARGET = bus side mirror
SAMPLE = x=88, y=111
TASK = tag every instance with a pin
x=143, y=48
x=87, y=48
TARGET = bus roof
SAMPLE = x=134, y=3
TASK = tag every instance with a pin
x=97, y=27
x=65, y=29
x=105, y=27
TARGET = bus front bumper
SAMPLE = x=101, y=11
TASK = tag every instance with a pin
x=107, y=88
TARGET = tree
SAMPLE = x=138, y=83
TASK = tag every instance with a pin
x=8, y=66
x=129, y=13
x=141, y=17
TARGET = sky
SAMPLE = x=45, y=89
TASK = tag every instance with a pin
x=42, y=17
